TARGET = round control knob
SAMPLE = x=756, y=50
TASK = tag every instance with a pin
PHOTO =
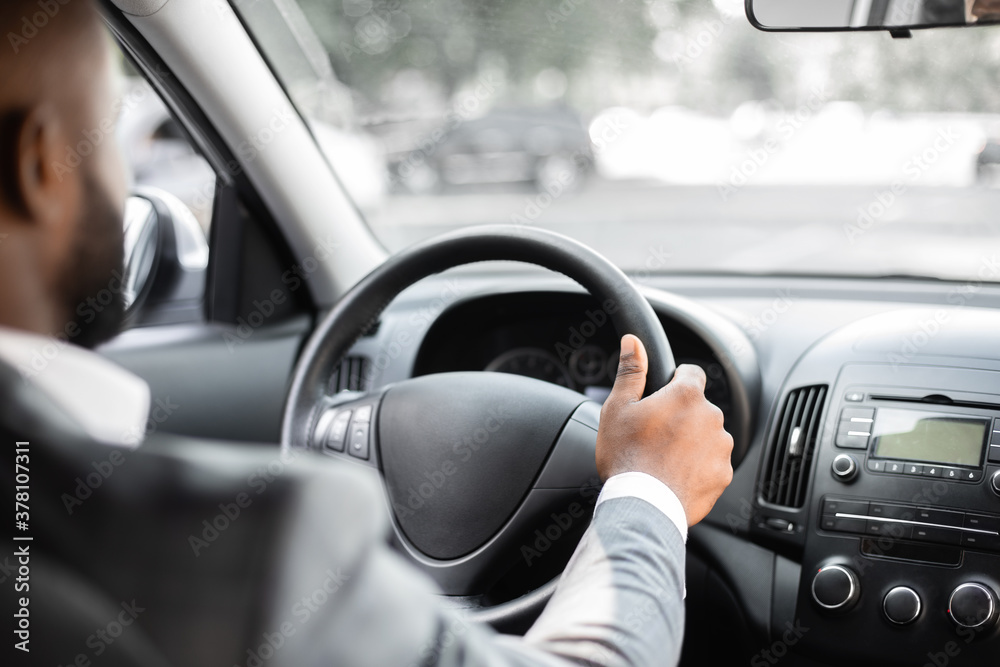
x=973, y=606
x=835, y=588
x=995, y=482
x=845, y=468
x=901, y=605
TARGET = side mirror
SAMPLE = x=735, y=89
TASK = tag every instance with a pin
x=846, y=15
x=166, y=260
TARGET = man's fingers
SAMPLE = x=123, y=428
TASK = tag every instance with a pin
x=632, y=365
x=690, y=377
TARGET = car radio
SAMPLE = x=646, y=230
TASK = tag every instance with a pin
x=902, y=549
x=927, y=441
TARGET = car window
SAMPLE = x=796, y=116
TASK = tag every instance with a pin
x=669, y=134
x=156, y=150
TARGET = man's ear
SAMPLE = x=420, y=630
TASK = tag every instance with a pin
x=47, y=188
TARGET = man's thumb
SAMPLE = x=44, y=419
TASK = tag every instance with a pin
x=632, y=365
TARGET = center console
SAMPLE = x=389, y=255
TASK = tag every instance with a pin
x=892, y=491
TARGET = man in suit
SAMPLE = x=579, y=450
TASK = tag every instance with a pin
x=304, y=578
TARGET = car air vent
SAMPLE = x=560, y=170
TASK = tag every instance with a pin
x=351, y=375
x=793, y=441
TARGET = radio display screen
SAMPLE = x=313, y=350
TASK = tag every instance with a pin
x=913, y=435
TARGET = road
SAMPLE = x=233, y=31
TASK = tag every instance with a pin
x=941, y=231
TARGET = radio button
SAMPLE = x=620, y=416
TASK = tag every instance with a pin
x=982, y=522
x=860, y=416
x=971, y=475
x=887, y=511
x=995, y=435
x=951, y=473
x=914, y=469
x=895, y=467
x=940, y=517
x=846, y=440
x=994, y=453
x=937, y=535
x=875, y=465
x=933, y=471
x=845, y=507
x=898, y=531
x=843, y=525
x=980, y=541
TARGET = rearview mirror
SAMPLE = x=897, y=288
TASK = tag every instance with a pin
x=897, y=16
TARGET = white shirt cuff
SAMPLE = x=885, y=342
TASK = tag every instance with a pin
x=653, y=491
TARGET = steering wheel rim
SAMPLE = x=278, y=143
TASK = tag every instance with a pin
x=359, y=309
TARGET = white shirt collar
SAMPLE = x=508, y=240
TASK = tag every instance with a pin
x=111, y=404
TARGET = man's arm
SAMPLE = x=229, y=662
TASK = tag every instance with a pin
x=619, y=602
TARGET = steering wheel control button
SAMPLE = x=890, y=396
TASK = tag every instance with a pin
x=363, y=413
x=845, y=468
x=902, y=605
x=358, y=441
x=835, y=588
x=322, y=428
x=338, y=431
x=973, y=606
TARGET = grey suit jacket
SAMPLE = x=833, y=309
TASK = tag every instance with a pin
x=618, y=603
x=225, y=555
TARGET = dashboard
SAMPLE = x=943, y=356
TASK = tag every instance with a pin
x=795, y=541
x=562, y=338
x=852, y=532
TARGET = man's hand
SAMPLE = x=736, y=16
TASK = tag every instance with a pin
x=675, y=435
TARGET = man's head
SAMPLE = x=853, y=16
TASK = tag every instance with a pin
x=62, y=184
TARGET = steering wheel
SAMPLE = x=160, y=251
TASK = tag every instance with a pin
x=481, y=470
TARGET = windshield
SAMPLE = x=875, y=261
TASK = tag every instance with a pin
x=668, y=134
